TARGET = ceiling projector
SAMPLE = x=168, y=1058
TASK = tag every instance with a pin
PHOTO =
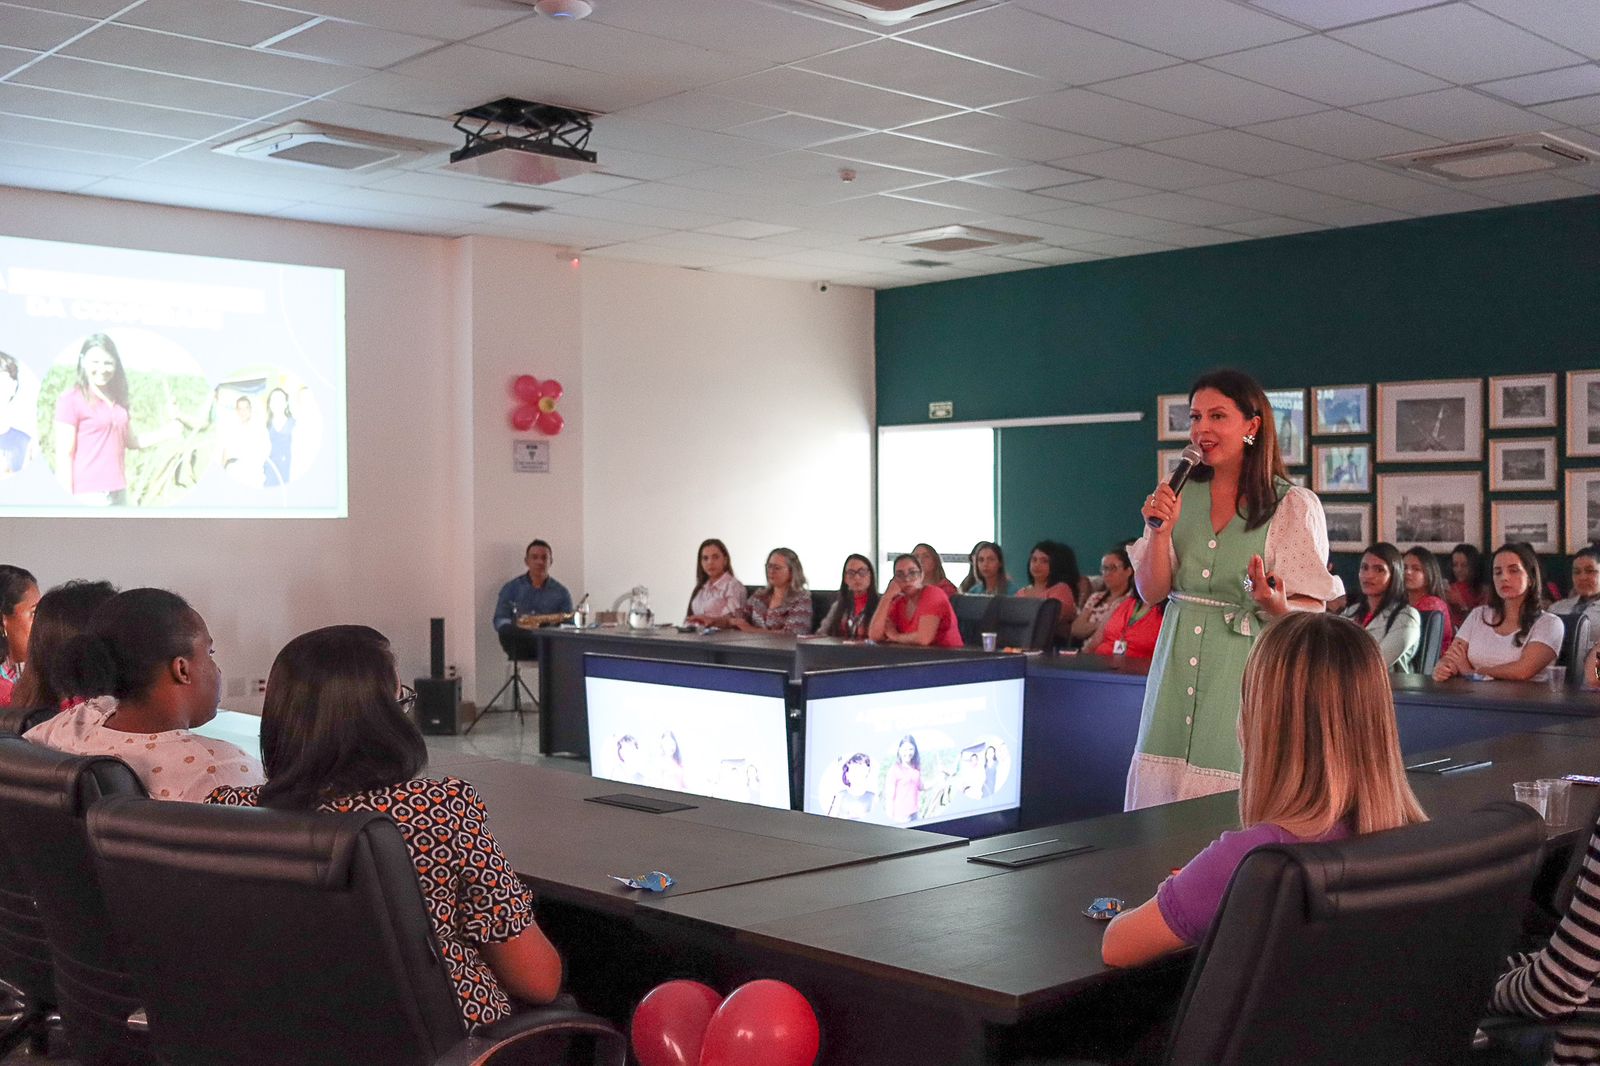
x=523, y=142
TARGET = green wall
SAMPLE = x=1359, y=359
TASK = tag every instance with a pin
x=1510, y=290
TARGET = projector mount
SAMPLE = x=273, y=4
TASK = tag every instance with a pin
x=509, y=122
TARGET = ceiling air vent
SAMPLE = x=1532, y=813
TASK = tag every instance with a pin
x=886, y=12
x=954, y=239
x=311, y=144
x=520, y=209
x=1498, y=157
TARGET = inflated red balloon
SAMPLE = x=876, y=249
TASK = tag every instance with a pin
x=526, y=388
x=550, y=390
x=669, y=1023
x=763, y=1023
x=522, y=418
x=550, y=422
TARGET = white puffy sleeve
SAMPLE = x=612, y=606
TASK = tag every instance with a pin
x=1297, y=547
x=1141, y=548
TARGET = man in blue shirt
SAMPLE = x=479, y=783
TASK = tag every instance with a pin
x=535, y=592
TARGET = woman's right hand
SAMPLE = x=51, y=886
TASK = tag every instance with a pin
x=1451, y=664
x=1164, y=504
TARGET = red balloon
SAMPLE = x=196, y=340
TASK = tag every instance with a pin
x=670, y=1022
x=526, y=388
x=551, y=389
x=522, y=418
x=763, y=1023
x=550, y=422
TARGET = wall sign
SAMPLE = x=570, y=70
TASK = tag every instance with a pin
x=530, y=456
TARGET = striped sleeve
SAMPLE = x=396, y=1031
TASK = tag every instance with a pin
x=1560, y=979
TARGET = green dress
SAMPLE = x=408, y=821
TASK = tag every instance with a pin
x=1188, y=731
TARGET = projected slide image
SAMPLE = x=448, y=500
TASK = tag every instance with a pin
x=143, y=383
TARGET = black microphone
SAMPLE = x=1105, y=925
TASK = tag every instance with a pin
x=1192, y=457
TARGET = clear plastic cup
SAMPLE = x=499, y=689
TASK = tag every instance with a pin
x=1535, y=794
x=990, y=640
x=1557, y=676
x=1558, y=800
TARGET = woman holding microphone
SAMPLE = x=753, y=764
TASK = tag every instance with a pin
x=1237, y=547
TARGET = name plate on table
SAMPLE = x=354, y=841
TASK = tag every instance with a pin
x=1030, y=854
x=640, y=803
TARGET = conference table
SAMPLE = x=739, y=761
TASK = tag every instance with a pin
x=907, y=950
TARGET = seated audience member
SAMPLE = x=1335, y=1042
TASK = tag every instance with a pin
x=1054, y=576
x=1131, y=630
x=1509, y=637
x=851, y=614
x=334, y=737
x=19, y=595
x=63, y=614
x=1585, y=598
x=933, y=569
x=784, y=603
x=910, y=613
x=971, y=578
x=1321, y=762
x=718, y=596
x=1116, y=571
x=535, y=592
x=1466, y=589
x=148, y=664
x=988, y=576
x=1425, y=589
x=1341, y=601
x=1383, y=610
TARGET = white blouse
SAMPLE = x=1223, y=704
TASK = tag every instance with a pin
x=1486, y=648
x=720, y=598
x=1296, y=551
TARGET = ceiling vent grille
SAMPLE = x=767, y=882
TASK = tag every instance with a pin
x=519, y=209
x=312, y=144
x=886, y=12
x=954, y=239
x=1498, y=157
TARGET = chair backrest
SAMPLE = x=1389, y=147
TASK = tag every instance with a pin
x=1577, y=640
x=975, y=616
x=267, y=937
x=24, y=948
x=1431, y=644
x=44, y=795
x=1380, y=948
x=822, y=601
x=18, y=720
x=1026, y=621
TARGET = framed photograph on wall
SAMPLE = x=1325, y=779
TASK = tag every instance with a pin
x=1583, y=509
x=1341, y=468
x=1430, y=421
x=1349, y=526
x=1289, y=416
x=1340, y=409
x=1437, y=511
x=1172, y=416
x=1526, y=401
x=1167, y=461
x=1583, y=412
x=1526, y=464
x=1536, y=521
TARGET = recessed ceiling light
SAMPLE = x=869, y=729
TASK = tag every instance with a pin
x=886, y=12
x=564, y=9
x=954, y=238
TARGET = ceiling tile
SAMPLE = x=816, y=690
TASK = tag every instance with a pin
x=748, y=230
x=1527, y=192
x=1098, y=191
x=1105, y=117
x=637, y=214
x=802, y=92
x=166, y=53
x=1455, y=115
x=65, y=160
x=49, y=134
x=225, y=21
x=1569, y=23
x=674, y=142
x=425, y=18
x=1344, y=133
x=1326, y=14
x=699, y=110
x=1565, y=84
x=1023, y=40
x=902, y=67
x=1143, y=167
x=1003, y=136
x=422, y=128
x=12, y=58
x=95, y=9
x=110, y=114
x=1208, y=95
x=146, y=87
x=1351, y=214
x=650, y=253
x=1583, y=112
x=657, y=61
x=894, y=150
x=1054, y=256
x=1326, y=70
x=627, y=164
x=1123, y=246
x=366, y=219
x=778, y=34
x=49, y=180
x=1273, y=227
x=589, y=184
x=1270, y=196
x=1177, y=207
x=1242, y=152
x=711, y=201
x=465, y=189
x=490, y=75
x=875, y=216
x=1030, y=178
x=711, y=243
x=1104, y=220
x=352, y=43
x=1191, y=29
x=22, y=27
x=416, y=96
x=178, y=196
x=1458, y=43
x=794, y=131
x=1442, y=202
x=1199, y=237
x=820, y=174
x=1360, y=181
x=980, y=198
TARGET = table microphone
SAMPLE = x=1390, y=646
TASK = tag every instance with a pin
x=1192, y=457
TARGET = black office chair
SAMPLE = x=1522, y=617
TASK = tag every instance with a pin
x=520, y=647
x=44, y=795
x=15, y=721
x=975, y=616
x=822, y=601
x=1578, y=637
x=27, y=980
x=265, y=937
x=1026, y=621
x=1431, y=644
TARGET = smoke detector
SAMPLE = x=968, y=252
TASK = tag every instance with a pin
x=312, y=144
x=886, y=12
x=1498, y=157
x=954, y=239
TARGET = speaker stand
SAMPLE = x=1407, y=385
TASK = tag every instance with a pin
x=517, y=688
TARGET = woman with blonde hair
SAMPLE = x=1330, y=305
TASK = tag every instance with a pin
x=783, y=604
x=1321, y=762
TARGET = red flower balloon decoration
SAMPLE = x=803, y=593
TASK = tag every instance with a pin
x=536, y=405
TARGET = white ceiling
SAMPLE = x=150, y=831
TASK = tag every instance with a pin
x=1097, y=127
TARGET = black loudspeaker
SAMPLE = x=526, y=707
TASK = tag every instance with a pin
x=438, y=705
x=436, y=648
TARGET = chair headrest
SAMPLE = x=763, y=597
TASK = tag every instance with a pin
x=56, y=781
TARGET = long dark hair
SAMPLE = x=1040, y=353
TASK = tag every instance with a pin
x=1531, y=602
x=1063, y=564
x=1263, y=467
x=1433, y=582
x=117, y=387
x=62, y=615
x=700, y=577
x=330, y=725
x=972, y=579
x=846, y=601
x=938, y=565
x=131, y=637
x=1474, y=563
x=14, y=585
x=1394, y=598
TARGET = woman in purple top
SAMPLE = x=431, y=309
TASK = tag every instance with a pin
x=1321, y=762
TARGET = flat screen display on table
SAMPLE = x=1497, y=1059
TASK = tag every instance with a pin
x=718, y=731
x=149, y=384
x=914, y=745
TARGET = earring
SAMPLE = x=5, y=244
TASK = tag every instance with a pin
x=1249, y=438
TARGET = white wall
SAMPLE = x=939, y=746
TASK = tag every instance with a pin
x=721, y=406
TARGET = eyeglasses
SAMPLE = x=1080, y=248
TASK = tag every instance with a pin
x=856, y=571
x=406, y=697
x=907, y=575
